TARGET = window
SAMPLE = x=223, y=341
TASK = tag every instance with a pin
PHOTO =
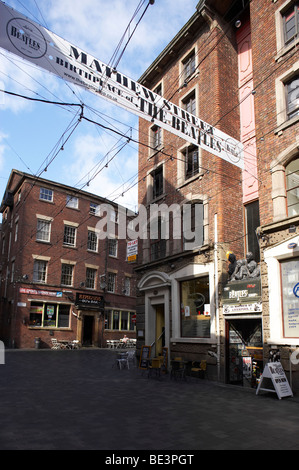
x=156, y=137
x=290, y=281
x=189, y=104
x=158, y=89
x=252, y=217
x=67, y=274
x=158, y=244
x=46, y=194
x=189, y=65
x=40, y=271
x=16, y=231
x=292, y=97
x=195, y=308
x=193, y=225
x=191, y=157
x=111, y=282
x=119, y=320
x=69, y=237
x=157, y=179
x=49, y=315
x=72, y=202
x=112, y=247
x=127, y=286
x=43, y=230
x=292, y=183
x=291, y=24
x=94, y=208
x=90, y=282
x=92, y=242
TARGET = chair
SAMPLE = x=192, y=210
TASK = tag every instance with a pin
x=123, y=361
x=131, y=356
x=74, y=344
x=199, y=369
x=55, y=344
x=154, y=366
x=178, y=369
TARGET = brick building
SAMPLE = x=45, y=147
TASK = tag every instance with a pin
x=60, y=278
x=234, y=65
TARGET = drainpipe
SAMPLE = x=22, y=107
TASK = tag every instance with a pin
x=217, y=294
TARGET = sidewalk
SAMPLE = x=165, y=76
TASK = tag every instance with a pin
x=76, y=400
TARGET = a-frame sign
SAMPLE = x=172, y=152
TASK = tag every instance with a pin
x=34, y=43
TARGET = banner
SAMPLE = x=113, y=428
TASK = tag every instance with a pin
x=33, y=42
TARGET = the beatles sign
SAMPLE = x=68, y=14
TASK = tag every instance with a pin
x=45, y=49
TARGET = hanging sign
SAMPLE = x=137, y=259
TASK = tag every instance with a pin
x=34, y=43
x=275, y=372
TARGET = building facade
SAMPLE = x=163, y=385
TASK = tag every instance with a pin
x=230, y=298
x=63, y=275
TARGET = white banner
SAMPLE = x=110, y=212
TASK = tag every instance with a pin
x=32, y=42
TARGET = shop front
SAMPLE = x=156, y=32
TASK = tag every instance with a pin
x=242, y=310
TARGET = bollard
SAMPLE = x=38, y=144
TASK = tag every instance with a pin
x=2, y=353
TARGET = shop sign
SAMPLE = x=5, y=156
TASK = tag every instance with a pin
x=47, y=293
x=38, y=45
x=243, y=292
x=275, y=372
x=244, y=308
x=89, y=301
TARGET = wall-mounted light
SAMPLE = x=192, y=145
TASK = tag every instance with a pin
x=238, y=24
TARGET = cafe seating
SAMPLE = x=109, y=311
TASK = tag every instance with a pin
x=55, y=344
x=178, y=368
x=198, y=369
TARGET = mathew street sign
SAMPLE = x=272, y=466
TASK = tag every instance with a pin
x=31, y=41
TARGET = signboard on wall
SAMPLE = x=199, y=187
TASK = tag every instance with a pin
x=38, y=45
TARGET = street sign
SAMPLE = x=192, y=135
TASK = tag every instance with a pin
x=36, y=44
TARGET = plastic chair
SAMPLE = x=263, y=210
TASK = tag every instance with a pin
x=55, y=344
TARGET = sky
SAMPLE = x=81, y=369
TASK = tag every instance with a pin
x=43, y=139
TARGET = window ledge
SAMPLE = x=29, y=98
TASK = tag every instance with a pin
x=286, y=124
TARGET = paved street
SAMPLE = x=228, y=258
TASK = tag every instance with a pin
x=76, y=400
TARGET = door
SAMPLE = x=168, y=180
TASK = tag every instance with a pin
x=88, y=326
x=244, y=351
x=160, y=329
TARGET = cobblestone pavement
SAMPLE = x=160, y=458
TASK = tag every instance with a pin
x=78, y=400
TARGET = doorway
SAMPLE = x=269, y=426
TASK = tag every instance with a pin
x=244, y=346
x=160, y=329
x=88, y=327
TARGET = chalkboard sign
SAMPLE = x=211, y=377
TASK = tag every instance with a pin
x=275, y=372
x=145, y=357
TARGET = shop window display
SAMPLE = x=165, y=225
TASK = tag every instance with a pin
x=195, y=308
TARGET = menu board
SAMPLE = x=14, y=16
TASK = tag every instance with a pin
x=290, y=295
x=144, y=357
x=275, y=372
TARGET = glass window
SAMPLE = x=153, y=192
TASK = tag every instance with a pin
x=157, y=176
x=92, y=242
x=94, y=208
x=72, y=202
x=49, y=315
x=195, y=308
x=156, y=137
x=111, y=282
x=124, y=321
x=292, y=97
x=290, y=297
x=127, y=287
x=115, y=320
x=189, y=65
x=112, y=247
x=90, y=278
x=40, y=271
x=43, y=230
x=46, y=194
x=69, y=237
x=189, y=104
x=291, y=24
x=252, y=214
x=292, y=182
x=191, y=155
x=67, y=274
